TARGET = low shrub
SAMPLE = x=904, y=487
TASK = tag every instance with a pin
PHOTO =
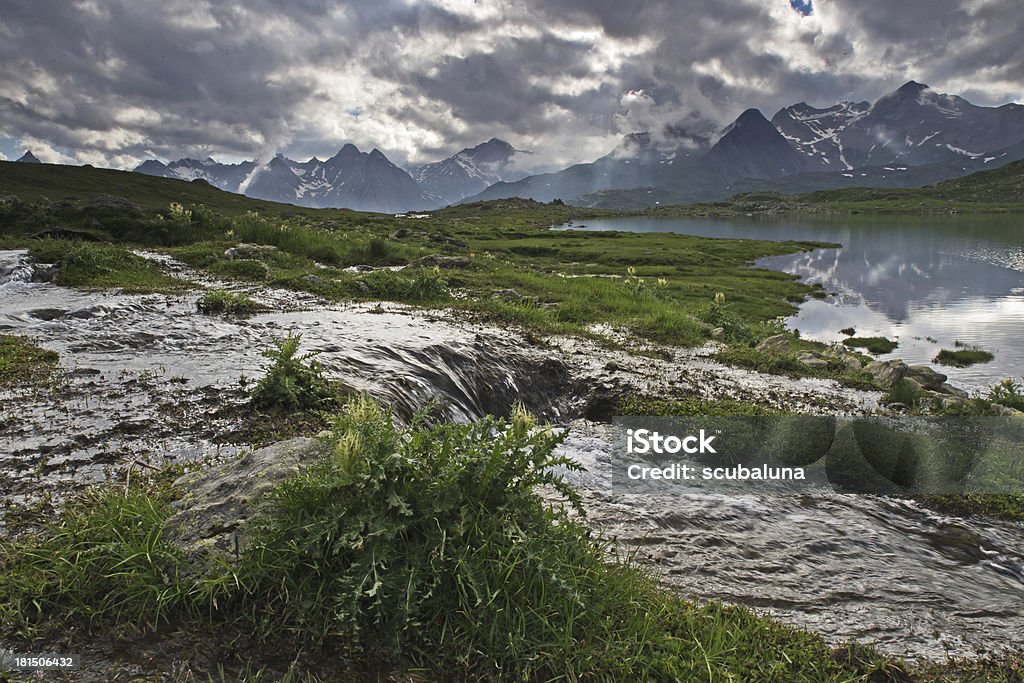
x=1009, y=393
x=292, y=383
x=427, y=549
x=219, y=301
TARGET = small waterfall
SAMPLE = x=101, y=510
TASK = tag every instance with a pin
x=15, y=266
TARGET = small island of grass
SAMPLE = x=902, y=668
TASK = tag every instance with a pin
x=874, y=345
x=963, y=357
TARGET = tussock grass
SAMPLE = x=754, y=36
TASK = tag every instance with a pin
x=219, y=301
x=963, y=358
x=103, y=266
x=24, y=362
x=874, y=345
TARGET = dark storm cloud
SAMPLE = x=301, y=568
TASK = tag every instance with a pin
x=113, y=81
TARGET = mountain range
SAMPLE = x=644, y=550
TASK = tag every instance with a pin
x=365, y=181
x=907, y=138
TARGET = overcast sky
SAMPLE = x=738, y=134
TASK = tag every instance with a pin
x=112, y=82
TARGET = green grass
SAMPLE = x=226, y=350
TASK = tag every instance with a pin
x=219, y=301
x=963, y=358
x=874, y=345
x=657, y=286
x=24, y=362
x=90, y=265
x=904, y=391
x=788, y=365
x=427, y=549
x=999, y=190
x=690, y=406
x=1002, y=506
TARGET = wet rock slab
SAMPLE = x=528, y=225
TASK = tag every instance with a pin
x=212, y=515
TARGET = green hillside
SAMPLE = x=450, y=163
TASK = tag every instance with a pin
x=32, y=182
x=1004, y=185
x=1000, y=190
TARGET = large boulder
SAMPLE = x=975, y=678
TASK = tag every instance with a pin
x=212, y=517
x=812, y=360
x=779, y=343
x=249, y=251
x=886, y=372
x=440, y=261
x=925, y=376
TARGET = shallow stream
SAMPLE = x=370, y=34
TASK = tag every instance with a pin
x=145, y=376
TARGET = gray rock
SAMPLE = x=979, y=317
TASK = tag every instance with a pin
x=1006, y=411
x=212, y=517
x=949, y=389
x=779, y=343
x=887, y=372
x=925, y=376
x=444, y=239
x=362, y=287
x=812, y=360
x=249, y=251
x=441, y=261
x=314, y=280
x=949, y=402
x=506, y=295
x=851, y=362
x=911, y=383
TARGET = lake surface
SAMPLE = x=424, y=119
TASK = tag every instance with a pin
x=927, y=282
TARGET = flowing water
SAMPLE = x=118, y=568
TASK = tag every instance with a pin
x=926, y=282
x=145, y=376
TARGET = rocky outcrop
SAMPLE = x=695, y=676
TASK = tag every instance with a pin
x=249, y=251
x=925, y=376
x=886, y=372
x=440, y=261
x=212, y=517
x=779, y=343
